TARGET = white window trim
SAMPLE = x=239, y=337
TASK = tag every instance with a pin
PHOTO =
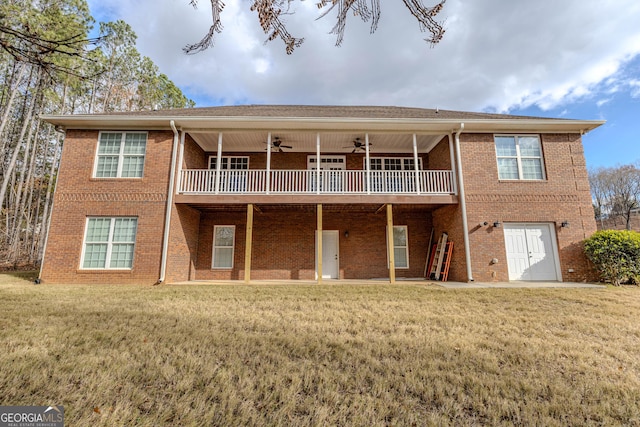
x=519, y=157
x=213, y=248
x=406, y=248
x=109, y=243
x=401, y=158
x=227, y=160
x=120, y=155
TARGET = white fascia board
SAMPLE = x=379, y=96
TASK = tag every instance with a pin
x=207, y=124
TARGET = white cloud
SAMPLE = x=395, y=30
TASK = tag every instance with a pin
x=495, y=55
x=635, y=88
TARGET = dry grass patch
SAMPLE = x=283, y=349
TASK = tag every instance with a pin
x=322, y=355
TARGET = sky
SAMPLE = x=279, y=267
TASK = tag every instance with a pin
x=577, y=59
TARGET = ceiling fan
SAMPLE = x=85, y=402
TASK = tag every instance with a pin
x=277, y=144
x=358, y=145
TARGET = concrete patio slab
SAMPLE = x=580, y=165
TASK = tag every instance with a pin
x=401, y=282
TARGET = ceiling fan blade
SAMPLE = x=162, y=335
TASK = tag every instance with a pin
x=353, y=151
x=286, y=146
x=280, y=150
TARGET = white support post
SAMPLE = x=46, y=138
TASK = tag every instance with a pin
x=454, y=176
x=218, y=163
x=415, y=163
x=180, y=160
x=319, y=241
x=268, y=181
x=318, y=163
x=367, y=162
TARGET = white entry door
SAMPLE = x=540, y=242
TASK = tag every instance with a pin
x=532, y=252
x=330, y=254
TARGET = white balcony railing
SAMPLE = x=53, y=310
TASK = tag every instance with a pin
x=254, y=181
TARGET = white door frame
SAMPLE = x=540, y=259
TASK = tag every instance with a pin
x=554, y=242
x=326, y=274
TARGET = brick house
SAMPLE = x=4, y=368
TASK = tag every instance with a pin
x=238, y=193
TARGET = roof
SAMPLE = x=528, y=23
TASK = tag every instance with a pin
x=316, y=117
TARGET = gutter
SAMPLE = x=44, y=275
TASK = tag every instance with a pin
x=463, y=205
x=167, y=218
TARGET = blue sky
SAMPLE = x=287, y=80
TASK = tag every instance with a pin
x=571, y=59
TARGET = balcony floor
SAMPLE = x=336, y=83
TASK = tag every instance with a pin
x=297, y=199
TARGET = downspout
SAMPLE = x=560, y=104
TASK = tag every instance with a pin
x=167, y=217
x=463, y=205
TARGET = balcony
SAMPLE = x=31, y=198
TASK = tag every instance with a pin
x=313, y=182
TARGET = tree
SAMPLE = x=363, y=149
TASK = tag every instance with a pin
x=48, y=65
x=270, y=11
x=615, y=192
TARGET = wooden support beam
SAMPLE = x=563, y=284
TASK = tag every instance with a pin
x=248, y=241
x=390, y=245
x=319, y=244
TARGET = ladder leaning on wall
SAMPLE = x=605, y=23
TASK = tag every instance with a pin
x=441, y=259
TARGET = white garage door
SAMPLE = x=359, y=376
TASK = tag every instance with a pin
x=531, y=252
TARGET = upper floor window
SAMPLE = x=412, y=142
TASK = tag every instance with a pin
x=120, y=155
x=229, y=163
x=519, y=157
x=393, y=163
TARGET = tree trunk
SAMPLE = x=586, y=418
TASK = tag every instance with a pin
x=14, y=158
x=12, y=96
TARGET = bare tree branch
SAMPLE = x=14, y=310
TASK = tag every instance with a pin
x=208, y=40
x=28, y=47
x=270, y=11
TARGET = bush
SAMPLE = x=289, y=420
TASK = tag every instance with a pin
x=616, y=255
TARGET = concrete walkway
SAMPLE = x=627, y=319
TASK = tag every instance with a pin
x=516, y=285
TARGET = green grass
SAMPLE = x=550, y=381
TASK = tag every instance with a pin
x=321, y=355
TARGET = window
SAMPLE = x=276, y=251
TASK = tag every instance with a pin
x=327, y=162
x=230, y=163
x=120, y=155
x=109, y=243
x=223, y=245
x=400, y=246
x=393, y=163
x=392, y=174
x=519, y=157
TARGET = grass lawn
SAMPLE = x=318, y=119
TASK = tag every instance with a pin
x=321, y=355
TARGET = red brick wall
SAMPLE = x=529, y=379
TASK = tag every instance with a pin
x=78, y=196
x=564, y=195
x=298, y=161
x=284, y=239
x=193, y=156
x=283, y=244
x=439, y=157
x=182, y=252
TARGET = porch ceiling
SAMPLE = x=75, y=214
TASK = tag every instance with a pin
x=306, y=141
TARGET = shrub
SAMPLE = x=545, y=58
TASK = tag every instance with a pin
x=616, y=255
